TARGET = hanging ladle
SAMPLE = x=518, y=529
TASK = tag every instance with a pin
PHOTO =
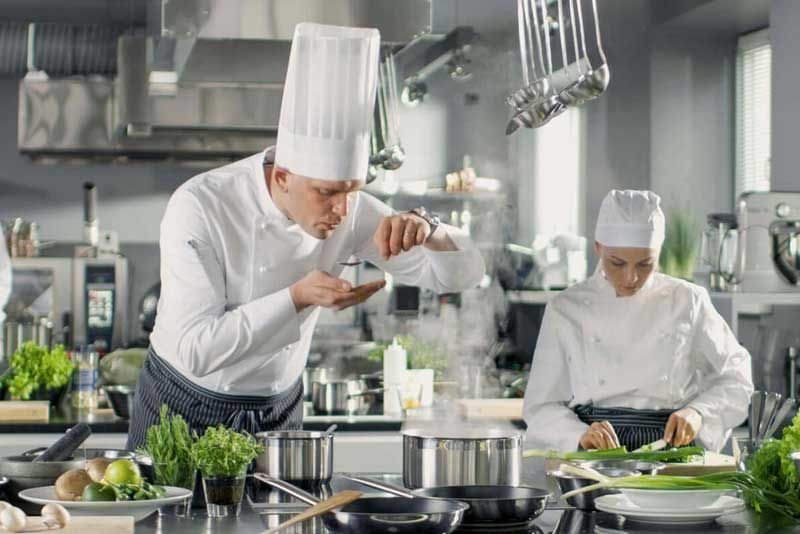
x=531, y=90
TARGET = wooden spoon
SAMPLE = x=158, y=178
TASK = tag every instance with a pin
x=338, y=500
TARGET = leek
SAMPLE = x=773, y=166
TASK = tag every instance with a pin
x=683, y=454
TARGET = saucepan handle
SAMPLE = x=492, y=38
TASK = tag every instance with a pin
x=291, y=489
x=383, y=486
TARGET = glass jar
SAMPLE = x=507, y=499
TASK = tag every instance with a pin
x=84, y=379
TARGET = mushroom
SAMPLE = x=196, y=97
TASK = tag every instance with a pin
x=96, y=467
x=55, y=516
x=4, y=505
x=13, y=519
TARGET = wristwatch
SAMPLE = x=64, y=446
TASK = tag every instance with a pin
x=430, y=218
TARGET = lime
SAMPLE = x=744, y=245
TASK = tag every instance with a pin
x=123, y=472
x=95, y=492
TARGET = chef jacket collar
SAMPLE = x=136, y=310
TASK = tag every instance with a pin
x=268, y=207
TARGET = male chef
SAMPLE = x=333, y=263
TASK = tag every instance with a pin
x=251, y=251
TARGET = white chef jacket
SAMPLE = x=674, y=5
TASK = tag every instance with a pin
x=5, y=287
x=665, y=347
x=226, y=319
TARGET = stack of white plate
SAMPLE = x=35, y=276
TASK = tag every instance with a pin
x=676, y=507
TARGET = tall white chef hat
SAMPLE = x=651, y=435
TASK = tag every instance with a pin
x=630, y=219
x=328, y=99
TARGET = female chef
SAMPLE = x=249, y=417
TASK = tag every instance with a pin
x=631, y=355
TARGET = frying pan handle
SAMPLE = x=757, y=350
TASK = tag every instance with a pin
x=291, y=489
x=383, y=486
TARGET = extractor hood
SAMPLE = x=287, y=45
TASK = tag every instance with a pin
x=204, y=81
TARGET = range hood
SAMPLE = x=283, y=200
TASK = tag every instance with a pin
x=203, y=82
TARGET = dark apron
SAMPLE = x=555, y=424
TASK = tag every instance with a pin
x=634, y=428
x=159, y=383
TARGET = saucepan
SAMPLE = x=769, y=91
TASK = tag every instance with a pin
x=342, y=397
x=304, y=457
x=383, y=515
x=488, y=505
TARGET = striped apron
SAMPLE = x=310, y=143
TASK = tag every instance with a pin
x=634, y=428
x=159, y=383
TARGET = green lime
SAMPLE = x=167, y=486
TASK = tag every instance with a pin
x=123, y=472
x=98, y=492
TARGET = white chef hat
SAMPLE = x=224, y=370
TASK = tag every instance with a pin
x=328, y=100
x=630, y=219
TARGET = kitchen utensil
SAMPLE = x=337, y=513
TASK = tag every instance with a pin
x=756, y=408
x=771, y=401
x=597, y=79
x=21, y=329
x=24, y=473
x=533, y=87
x=544, y=109
x=341, y=397
x=349, y=263
x=331, y=503
x=303, y=457
x=586, y=501
x=786, y=249
x=379, y=515
x=121, y=399
x=645, y=468
x=138, y=509
x=487, y=504
x=574, y=93
x=472, y=455
x=66, y=445
x=788, y=407
x=657, y=445
x=619, y=504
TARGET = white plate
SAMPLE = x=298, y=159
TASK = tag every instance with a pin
x=138, y=509
x=674, y=499
x=619, y=504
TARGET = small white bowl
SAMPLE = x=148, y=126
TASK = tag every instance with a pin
x=651, y=499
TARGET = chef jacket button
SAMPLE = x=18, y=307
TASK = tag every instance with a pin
x=262, y=269
x=227, y=388
x=664, y=378
x=262, y=226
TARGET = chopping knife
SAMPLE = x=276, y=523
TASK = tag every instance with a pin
x=657, y=445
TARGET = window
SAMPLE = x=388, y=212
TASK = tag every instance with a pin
x=753, y=108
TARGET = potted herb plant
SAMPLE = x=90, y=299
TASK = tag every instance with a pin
x=38, y=373
x=222, y=455
x=168, y=445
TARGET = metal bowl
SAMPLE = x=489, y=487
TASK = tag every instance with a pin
x=121, y=399
x=585, y=501
x=645, y=468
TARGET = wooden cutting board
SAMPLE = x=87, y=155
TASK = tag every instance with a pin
x=33, y=411
x=712, y=462
x=109, y=524
x=490, y=408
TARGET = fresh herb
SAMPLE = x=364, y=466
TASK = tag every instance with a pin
x=421, y=355
x=680, y=246
x=169, y=445
x=224, y=452
x=674, y=455
x=33, y=367
x=772, y=468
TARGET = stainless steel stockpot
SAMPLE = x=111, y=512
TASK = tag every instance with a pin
x=342, y=397
x=296, y=455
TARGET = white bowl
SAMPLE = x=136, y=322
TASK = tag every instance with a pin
x=651, y=499
x=138, y=509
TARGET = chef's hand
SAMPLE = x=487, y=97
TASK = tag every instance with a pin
x=683, y=426
x=318, y=288
x=599, y=436
x=399, y=233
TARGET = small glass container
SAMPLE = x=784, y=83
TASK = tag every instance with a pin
x=224, y=494
x=84, y=379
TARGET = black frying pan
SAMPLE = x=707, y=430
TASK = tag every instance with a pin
x=487, y=504
x=383, y=515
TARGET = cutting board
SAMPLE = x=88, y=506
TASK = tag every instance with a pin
x=35, y=411
x=490, y=408
x=107, y=524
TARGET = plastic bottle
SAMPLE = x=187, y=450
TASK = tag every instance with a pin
x=395, y=362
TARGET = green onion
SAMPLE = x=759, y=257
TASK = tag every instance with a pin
x=683, y=454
